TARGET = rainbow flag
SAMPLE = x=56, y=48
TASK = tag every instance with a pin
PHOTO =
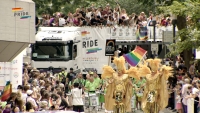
x=134, y=57
x=142, y=33
x=6, y=91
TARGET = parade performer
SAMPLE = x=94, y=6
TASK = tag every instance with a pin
x=155, y=96
x=119, y=90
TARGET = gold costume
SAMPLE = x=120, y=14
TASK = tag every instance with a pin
x=155, y=94
x=119, y=90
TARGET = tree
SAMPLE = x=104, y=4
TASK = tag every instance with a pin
x=71, y=7
x=134, y=6
x=65, y=6
x=49, y=6
x=188, y=33
x=188, y=16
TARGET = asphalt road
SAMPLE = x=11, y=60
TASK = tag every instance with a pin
x=138, y=111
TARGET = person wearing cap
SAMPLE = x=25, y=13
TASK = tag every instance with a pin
x=91, y=86
x=31, y=99
x=91, y=73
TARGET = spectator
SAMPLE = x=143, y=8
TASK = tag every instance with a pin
x=83, y=13
x=18, y=105
x=44, y=21
x=88, y=13
x=61, y=20
x=63, y=104
x=31, y=100
x=123, y=15
x=70, y=19
x=37, y=23
x=185, y=90
x=76, y=20
x=51, y=21
x=24, y=93
x=43, y=106
x=77, y=101
x=86, y=22
x=29, y=107
x=62, y=76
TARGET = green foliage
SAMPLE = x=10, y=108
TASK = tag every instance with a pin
x=65, y=6
x=49, y=6
x=190, y=34
x=134, y=6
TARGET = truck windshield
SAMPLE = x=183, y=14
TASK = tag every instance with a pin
x=51, y=51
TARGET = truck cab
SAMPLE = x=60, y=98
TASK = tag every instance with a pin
x=53, y=47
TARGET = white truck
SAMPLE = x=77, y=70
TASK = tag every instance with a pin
x=54, y=47
x=82, y=48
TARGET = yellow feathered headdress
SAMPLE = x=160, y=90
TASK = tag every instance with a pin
x=120, y=64
x=108, y=70
x=154, y=64
x=133, y=72
x=167, y=71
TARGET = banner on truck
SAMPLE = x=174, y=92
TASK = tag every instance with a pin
x=124, y=33
x=93, y=49
x=11, y=71
x=110, y=47
x=138, y=33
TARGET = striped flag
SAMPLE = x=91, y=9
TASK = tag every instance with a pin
x=6, y=91
x=134, y=57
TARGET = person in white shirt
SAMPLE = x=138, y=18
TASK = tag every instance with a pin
x=31, y=99
x=77, y=98
x=61, y=20
x=24, y=93
x=178, y=103
x=185, y=94
x=194, y=92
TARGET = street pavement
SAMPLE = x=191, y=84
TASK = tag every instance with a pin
x=138, y=111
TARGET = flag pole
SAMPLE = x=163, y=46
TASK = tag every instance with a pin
x=109, y=60
x=10, y=88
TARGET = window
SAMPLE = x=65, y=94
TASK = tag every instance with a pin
x=51, y=51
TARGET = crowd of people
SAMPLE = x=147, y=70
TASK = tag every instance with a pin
x=101, y=16
x=185, y=84
x=44, y=91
